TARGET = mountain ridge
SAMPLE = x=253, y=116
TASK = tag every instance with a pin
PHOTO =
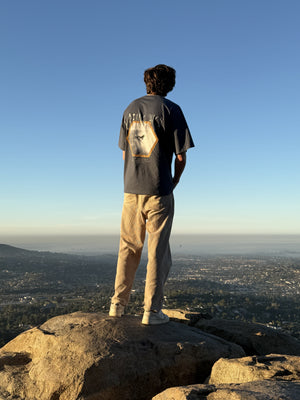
x=7, y=250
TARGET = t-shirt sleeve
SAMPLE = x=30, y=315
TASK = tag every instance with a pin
x=182, y=135
x=122, y=137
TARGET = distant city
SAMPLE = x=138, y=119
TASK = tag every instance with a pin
x=256, y=281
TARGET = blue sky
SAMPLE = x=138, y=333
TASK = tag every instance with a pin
x=68, y=70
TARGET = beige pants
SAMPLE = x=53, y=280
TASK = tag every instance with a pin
x=142, y=213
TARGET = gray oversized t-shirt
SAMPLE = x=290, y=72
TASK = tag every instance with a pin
x=153, y=129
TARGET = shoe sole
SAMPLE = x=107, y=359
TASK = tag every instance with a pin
x=115, y=315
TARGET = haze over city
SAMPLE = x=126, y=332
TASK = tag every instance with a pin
x=69, y=69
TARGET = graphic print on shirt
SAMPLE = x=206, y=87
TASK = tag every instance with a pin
x=141, y=138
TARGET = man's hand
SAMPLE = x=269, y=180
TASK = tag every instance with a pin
x=180, y=162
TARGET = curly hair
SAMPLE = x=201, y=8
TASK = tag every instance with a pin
x=159, y=79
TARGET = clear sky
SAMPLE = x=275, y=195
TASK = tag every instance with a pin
x=68, y=70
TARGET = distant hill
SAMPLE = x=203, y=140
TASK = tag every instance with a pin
x=31, y=268
x=10, y=251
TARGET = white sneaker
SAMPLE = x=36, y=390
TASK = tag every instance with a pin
x=116, y=310
x=154, y=318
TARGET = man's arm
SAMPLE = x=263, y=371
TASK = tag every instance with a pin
x=180, y=162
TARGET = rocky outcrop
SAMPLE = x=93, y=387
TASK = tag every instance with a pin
x=254, y=338
x=259, y=390
x=260, y=377
x=95, y=357
x=256, y=368
x=271, y=377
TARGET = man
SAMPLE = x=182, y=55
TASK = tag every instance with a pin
x=153, y=128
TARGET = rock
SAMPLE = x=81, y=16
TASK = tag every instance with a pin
x=188, y=317
x=261, y=390
x=254, y=338
x=95, y=357
x=248, y=369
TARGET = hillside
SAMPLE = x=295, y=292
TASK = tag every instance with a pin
x=48, y=267
x=10, y=251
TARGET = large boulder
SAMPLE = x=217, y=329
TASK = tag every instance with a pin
x=254, y=338
x=248, y=369
x=96, y=357
x=260, y=390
